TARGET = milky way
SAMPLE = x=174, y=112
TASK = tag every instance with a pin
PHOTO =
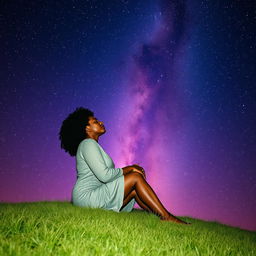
x=157, y=106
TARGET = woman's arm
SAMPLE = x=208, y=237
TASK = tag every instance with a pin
x=94, y=159
x=134, y=168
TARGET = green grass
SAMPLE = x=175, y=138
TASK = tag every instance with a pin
x=59, y=228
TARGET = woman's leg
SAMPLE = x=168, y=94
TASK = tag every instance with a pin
x=147, y=199
x=140, y=203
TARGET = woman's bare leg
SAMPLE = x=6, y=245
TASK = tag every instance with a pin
x=146, y=196
x=140, y=203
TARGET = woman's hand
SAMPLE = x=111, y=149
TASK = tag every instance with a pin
x=139, y=169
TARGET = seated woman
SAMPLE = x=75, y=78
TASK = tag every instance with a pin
x=99, y=184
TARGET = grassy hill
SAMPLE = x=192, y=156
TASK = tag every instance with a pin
x=59, y=228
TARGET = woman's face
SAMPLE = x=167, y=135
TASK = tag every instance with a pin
x=95, y=126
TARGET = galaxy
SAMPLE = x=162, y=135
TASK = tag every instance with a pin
x=173, y=82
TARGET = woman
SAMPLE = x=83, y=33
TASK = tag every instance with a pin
x=99, y=184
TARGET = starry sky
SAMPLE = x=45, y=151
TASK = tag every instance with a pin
x=173, y=82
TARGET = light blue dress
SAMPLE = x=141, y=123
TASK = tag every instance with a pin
x=99, y=184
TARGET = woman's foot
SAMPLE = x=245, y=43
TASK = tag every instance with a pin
x=171, y=218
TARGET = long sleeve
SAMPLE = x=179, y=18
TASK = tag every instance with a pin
x=94, y=159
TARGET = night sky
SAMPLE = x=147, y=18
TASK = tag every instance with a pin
x=173, y=82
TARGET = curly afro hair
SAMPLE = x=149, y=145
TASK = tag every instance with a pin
x=72, y=130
